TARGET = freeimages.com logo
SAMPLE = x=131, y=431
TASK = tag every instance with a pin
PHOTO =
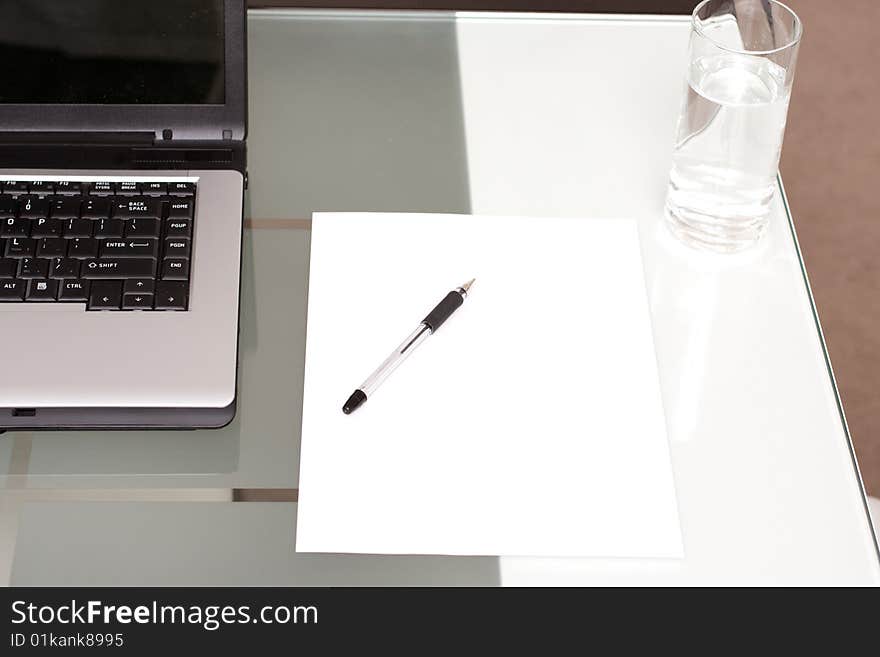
x=210, y=617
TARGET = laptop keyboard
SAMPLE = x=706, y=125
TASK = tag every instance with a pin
x=110, y=245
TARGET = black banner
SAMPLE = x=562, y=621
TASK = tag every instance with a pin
x=416, y=621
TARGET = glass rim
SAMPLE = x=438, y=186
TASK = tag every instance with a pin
x=798, y=32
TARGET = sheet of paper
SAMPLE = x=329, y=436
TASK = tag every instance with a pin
x=529, y=424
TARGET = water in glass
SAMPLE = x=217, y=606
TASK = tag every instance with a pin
x=727, y=150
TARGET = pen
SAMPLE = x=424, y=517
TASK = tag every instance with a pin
x=442, y=311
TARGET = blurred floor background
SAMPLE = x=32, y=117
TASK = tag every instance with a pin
x=831, y=168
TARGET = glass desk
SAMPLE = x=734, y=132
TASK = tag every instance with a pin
x=473, y=113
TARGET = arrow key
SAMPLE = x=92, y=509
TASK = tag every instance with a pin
x=105, y=295
x=171, y=295
x=137, y=302
x=139, y=286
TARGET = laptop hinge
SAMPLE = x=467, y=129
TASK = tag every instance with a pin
x=77, y=138
x=116, y=151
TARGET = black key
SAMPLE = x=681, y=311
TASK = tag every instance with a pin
x=74, y=290
x=33, y=207
x=175, y=269
x=68, y=188
x=42, y=187
x=82, y=247
x=96, y=208
x=180, y=208
x=64, y=268
x=64, y=207
x=137, y=301
x=154, y=189
x=171, y=295
x=33, y=268
x=47, y=228
x=178, y=228
x=101, y=189
x=51, y=247
x=78, y=228
x=139, y=286
x=105, y=295
x=138, y=247
x=8, y=207
x=21, y=247
x=42, y=290
x=141, y=206
x=142, y=228
x=118, y=268
x=109, y=228
x=12, y=290
x=181, y=189
x=8, y=268
x=176, y=248
x=15, y=227
x=127, y=189
x=15, y=187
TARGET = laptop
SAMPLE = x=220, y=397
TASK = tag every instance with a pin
x=122, y=177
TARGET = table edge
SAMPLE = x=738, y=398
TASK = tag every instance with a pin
x=827, y=358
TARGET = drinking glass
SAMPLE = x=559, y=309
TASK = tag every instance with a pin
x=729, y=136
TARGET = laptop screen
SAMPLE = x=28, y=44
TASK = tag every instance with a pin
x=155, y=52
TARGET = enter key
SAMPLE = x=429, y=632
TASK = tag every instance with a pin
x=142, y=247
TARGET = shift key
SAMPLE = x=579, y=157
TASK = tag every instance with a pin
x=118, y=268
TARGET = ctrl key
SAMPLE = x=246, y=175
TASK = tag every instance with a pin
x=12, y=290
x=105, y=295
x=74, y=289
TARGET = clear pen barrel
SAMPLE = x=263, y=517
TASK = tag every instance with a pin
x=395, y=359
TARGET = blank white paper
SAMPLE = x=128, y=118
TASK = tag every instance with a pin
x=529, y=424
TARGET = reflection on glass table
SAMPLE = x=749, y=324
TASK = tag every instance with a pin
x=490, y=114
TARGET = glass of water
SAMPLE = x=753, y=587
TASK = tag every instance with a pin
x=729, y=136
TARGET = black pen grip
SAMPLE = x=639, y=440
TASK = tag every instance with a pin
x=443, y=311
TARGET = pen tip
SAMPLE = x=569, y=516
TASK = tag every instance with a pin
x=467, y=286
